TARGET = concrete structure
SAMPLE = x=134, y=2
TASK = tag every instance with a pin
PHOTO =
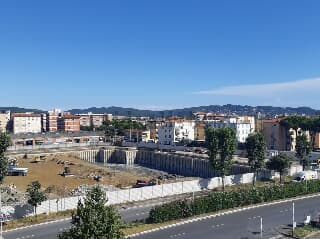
x=171, y=163
x=4, y=120
x=69, y=123
x=175, y=131
x=26, y=123
x=56, y=139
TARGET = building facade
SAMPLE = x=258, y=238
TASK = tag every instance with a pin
x=94, y=120
x=69, y=123
x=26, y=123
x=175, y=131
x=4, y=120
x=242, y=125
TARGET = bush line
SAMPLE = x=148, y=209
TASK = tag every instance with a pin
x=227, y=200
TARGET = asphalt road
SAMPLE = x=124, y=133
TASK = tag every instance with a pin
x=240, y=225
x=245, y=224
x=51, y=230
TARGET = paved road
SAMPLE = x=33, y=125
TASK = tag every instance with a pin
x=240, y=225
x=51, y=230
x=245, y=224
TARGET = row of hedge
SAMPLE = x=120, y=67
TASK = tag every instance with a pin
x=227, y=200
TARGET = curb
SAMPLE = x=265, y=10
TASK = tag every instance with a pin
x=36, y=225
x=221, y=214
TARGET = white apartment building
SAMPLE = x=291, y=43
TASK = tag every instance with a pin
x=172, y=132
x=26, y=123
x=243, y=126
x=4, y=120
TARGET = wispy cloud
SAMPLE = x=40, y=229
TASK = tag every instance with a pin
x=267, y=90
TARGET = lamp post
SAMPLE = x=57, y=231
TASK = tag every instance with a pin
x=293, y=222
x=261, y=227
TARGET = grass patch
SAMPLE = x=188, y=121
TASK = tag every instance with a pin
x=28, y=221
x=303, y=232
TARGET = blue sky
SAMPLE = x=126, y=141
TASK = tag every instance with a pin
x=159, y=54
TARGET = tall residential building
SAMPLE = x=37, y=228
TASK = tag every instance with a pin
x=4, y=120
x=175, y=131
x=69, y=123
x=26, y=123
x=52, y=120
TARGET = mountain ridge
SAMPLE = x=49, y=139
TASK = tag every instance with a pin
x=184, y=112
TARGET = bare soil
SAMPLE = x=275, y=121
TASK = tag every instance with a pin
x=48, y=173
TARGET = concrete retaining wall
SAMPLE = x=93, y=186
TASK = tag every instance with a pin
x=144, y=193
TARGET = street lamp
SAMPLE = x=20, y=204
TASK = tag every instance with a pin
x=293, y=222
x=261, y=227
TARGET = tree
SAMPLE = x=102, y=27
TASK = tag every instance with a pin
x=279, y=163
x=4, y=144
x=221, y=146
x=35, y=195
x=303, y=149
x=93, y=219
x=256, y=149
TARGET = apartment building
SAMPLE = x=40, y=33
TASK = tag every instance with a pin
x=52, y=120
x=69, y=123
x=243, y=126
x=4, y=120
x=94, y=120
x=175, y=131
x=26, y=123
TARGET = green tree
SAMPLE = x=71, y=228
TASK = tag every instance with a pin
x=4, y=144
x=256, y=149
x=303, y=150
x=279, y=163
x=93, y=219
x=221, y=146
x=35, y=195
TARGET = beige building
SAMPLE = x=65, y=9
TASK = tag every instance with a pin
x=94, y=120
x=317, y=141
x=26, y=123
x=277, y=137
x=4, y=120
x=199, y=131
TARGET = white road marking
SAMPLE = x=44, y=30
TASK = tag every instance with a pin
x=217, y=226
x=177, y=235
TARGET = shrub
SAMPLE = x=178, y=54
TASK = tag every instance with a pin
x=226, y=200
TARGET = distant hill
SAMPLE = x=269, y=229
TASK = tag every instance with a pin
x=20, y=110
x=187, y=112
